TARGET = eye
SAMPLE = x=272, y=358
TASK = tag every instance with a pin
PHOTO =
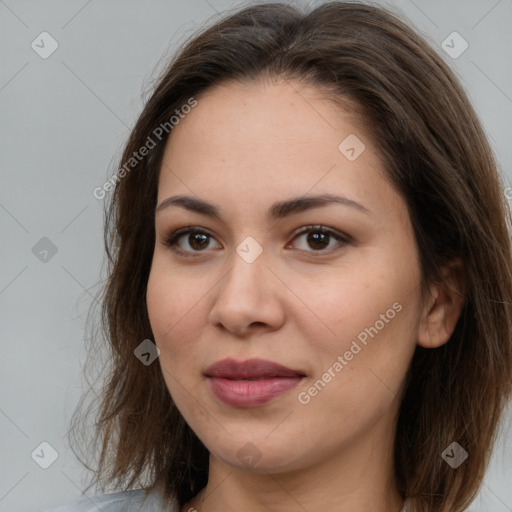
x=319, y=238
x=198, y=239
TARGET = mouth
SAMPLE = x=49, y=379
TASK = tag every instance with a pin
x=250, y=369
x=250, y=383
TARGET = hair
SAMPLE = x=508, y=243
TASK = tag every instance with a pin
x=436, y=155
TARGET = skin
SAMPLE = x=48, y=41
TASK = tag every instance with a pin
x=243, y=148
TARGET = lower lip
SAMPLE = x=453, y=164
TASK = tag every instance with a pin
x=251, y=393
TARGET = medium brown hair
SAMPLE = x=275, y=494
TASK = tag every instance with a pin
x=437, y=156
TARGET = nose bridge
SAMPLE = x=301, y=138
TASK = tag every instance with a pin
x=245, y=295
x=247, y=269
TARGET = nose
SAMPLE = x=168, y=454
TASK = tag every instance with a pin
x=249, y=298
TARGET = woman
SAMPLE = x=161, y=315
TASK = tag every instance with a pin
x=309, y=289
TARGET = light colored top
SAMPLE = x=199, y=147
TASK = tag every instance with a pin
x=127, y=501
x=132, y=501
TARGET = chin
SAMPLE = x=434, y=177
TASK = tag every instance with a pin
x=258, y=452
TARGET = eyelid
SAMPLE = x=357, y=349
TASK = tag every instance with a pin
x=320, y=227
x=171, y=240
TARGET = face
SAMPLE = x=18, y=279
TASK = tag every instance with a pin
x=329, y=290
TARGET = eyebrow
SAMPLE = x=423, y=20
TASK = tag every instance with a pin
x=278, y=210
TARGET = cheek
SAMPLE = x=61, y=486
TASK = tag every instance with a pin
x=160, y=302
x=368, y=315
x=168, y=304
x=170, y=307
x=169, y=296
x=348, y=303
x=176, y=309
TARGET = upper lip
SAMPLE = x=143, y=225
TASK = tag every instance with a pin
x=250, y=368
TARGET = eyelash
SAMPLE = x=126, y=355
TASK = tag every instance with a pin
x=174, y=237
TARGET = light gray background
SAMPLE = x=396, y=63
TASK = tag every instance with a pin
x=64, y=120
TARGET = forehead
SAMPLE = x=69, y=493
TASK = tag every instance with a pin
x=258, y=112
x=267, y=141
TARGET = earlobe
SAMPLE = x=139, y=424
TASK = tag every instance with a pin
x=443, y=309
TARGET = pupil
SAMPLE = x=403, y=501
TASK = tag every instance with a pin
x=314, y=238
x=193, y=238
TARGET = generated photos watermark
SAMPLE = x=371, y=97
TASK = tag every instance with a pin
x=304, y=397
x=156, y=136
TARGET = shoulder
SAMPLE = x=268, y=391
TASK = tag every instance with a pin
x=127, y=501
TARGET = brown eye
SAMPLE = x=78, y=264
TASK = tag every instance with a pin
x=197, y=240
x=318, y=241
x=319, y=238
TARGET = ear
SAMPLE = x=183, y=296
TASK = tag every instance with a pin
x=442, y=310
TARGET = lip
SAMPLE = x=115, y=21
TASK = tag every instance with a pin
x=252, y=382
